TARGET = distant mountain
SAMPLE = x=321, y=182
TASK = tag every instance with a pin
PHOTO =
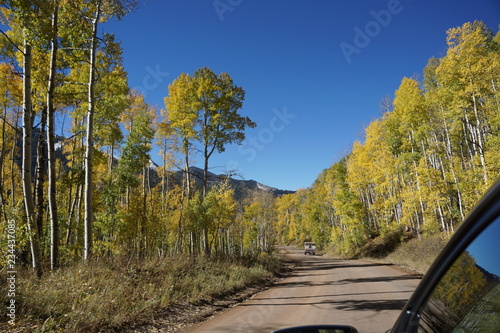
x=242, y=188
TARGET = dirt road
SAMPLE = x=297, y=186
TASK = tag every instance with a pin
x=366, y=295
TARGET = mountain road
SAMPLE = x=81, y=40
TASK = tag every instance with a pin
x=320, y=290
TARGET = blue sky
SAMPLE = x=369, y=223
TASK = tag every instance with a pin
x=314, y=71
x=484, y=249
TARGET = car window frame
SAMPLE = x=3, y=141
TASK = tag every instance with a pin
x=486, y=212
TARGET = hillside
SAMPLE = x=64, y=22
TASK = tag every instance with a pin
x=420, y=167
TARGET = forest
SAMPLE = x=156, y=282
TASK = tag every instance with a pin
x=420, y=168
x=93, y=197
x=95, y=192
x=422, y=165
x=95, y=234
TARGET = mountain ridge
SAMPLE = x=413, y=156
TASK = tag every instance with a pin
x=240, y=186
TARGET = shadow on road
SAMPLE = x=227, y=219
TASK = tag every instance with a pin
x=304, y=282
x=345, y=305
x=336, y=295
x=377, y=305
x=382, y=279
x=310, y=265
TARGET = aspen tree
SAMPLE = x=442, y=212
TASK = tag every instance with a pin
x=182, y=117
x=101, y=10
x=10, y=107
x=54, y=219
x=26, y=167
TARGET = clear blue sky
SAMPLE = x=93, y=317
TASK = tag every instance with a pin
x=313, y=81
x=485, y=248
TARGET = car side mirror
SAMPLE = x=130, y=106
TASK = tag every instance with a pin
x=319, y=329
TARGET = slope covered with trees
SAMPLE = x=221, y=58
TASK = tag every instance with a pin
x=422, y=165
x=91, y=195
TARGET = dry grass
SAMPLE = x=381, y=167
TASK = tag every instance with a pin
x=418, y=255
x=383, y=245
x=103, y=295
x=400, y=248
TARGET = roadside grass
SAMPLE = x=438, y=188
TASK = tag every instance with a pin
x=399, y=248
x=109, y=295
x=383, y=245
x=418, y=254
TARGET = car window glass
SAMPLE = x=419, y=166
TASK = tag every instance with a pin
x=467, y=299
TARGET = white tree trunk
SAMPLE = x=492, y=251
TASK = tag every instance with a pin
x=88, y=219
x=54, y=221
x=26, y=165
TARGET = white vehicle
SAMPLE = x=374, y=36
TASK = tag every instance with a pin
x=310, y=247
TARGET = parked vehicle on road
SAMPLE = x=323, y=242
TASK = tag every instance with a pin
x=310, y=248
x=461, y=290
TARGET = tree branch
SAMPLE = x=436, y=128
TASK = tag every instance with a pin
x=18, y=131
x=10, y=40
